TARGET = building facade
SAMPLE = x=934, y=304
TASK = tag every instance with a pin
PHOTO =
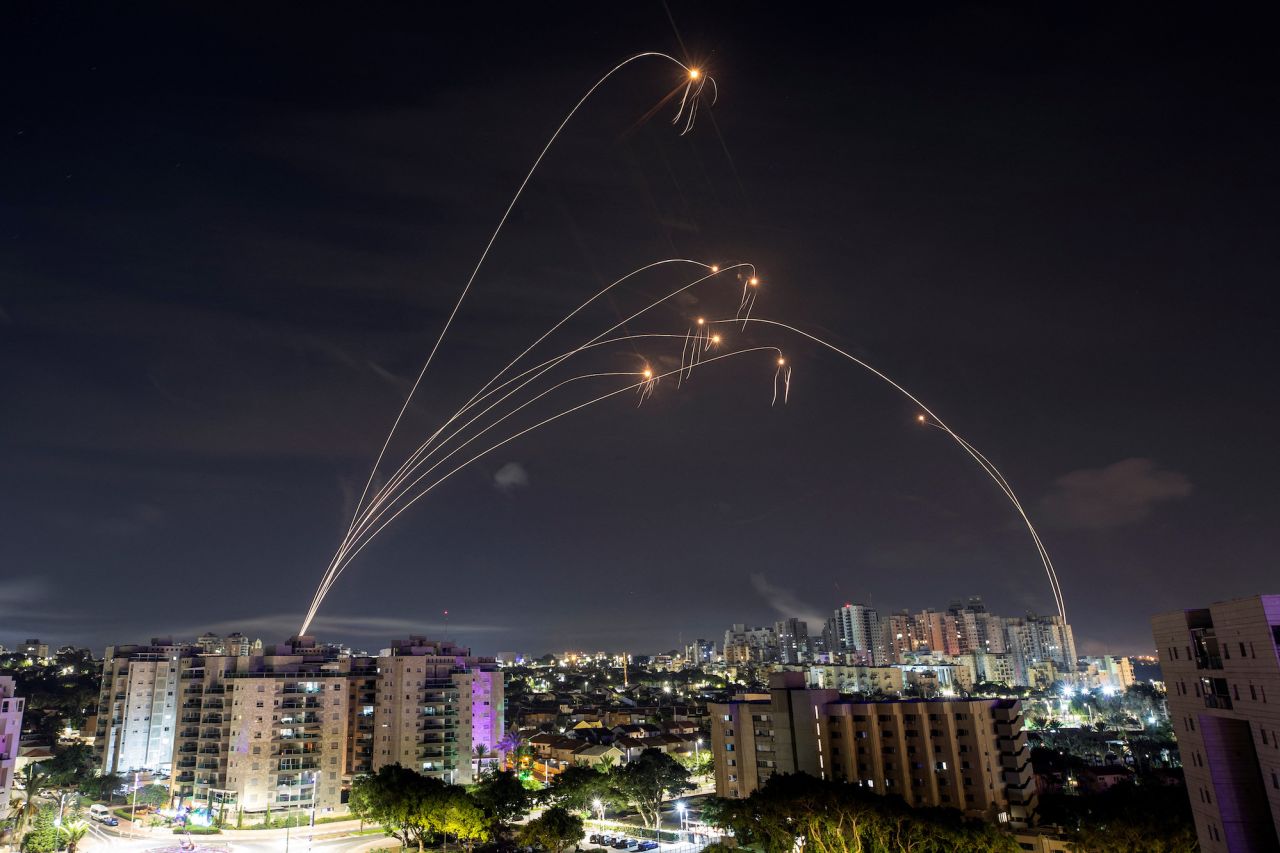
x=971, y=755
x=436, y=704
x=288, y=727
x=10, y=738
x=138, y=705
x=1221, y=667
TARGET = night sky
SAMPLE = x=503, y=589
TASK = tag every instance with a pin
x=230, y=236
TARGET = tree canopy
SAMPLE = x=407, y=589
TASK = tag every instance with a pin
x=836, y=817
x=554, y=830
x=648, y=781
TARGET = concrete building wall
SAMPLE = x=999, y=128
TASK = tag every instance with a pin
x=1222, y=673
x=11, y=707
x=971, y=755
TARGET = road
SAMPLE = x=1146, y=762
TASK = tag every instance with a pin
x=106, y=840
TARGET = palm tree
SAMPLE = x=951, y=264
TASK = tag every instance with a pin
x=481, y=753
x=510, y=744
x=33, y=782
x=73, y=832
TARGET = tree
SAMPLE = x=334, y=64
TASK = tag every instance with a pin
x=576, y=787
x=43, y=837
x=481, y=752
x=104, y=786
x=416, y=809
x=34, y=782
x=555, y=829
x=647, y=782
x=502, y=797
x=463, y=819
x=836, y=817
x=73, y=833
x=396, y=799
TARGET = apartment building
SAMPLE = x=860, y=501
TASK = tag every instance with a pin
x=268, y=731
x=138, y=704
x=435, y=704
x=970, y=755
x=1221, y=667
x=289, y=727
x=10, y=737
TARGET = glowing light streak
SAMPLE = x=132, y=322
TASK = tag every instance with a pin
x=699, y=79
x=982, y=461
x=631, y=387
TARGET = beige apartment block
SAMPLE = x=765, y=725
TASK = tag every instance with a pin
x=435, y=704
x=1222, y=673
x=971, y=755
x=259, y=732
x=137, y=706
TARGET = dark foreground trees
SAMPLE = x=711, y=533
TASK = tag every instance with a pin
x=419, y=810
x=554, y=830
x=835, y=817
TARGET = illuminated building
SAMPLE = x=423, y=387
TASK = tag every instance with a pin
x=858, y=636
x=435, y=704
x=1221, y=667
x=969, y=754
x=138, y=705
x=10, y=737
x=288, y=728
x=34, y=649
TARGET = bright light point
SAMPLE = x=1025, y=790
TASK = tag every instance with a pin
x=715, y=268
x=715, y=339
x=754, y=281
x=694, y=74
x=648, y=373
x=701, y=321
x=920, y=418
x=781, y=362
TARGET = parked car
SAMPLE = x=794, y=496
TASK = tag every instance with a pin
x=626, y=844
x=648, y=845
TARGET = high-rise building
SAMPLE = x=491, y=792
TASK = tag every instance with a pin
x=10, y=737
x=138, y=705
x=971, y=755
x=793, y=640
x=700, y=652
x=435, y=704
x=859, y=636
x=902, y=638
x=266, y=731
x=1221, y=668
x=1034, y=641
x=288, y=728
x=744, y=646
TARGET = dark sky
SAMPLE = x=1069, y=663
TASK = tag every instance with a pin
x=229, y=237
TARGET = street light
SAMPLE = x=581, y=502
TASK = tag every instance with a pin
x=599, y=807
x=681, y=809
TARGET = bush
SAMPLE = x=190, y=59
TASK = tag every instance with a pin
x=196, y=830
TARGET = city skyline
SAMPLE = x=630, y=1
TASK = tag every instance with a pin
x=218, y=294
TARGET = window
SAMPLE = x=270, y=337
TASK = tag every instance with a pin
x=1242, y=653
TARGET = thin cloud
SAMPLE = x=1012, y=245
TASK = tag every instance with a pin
x=786, y=602
x=510, y=477
x=1120, y=494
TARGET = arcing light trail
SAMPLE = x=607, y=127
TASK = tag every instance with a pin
x=930, y=418
x=404, y=488
x=647, y=382
x=694, y=83
x=393, y=490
